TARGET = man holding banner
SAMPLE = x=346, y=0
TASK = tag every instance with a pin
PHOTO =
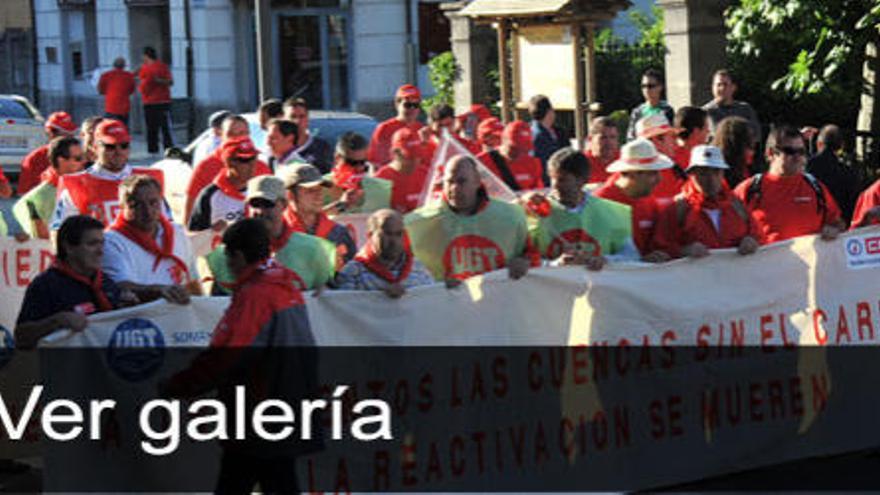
x=468, y=233
x=571, y=226
x=312, y=259
x=72, y=288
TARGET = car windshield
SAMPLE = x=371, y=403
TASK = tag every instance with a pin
x=13, y=109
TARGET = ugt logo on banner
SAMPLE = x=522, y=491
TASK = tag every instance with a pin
x=136, y=350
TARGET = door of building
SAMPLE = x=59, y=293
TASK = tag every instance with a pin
x=313, y=49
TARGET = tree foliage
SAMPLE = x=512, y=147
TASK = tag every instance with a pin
x=801, y=60
x=443, y=71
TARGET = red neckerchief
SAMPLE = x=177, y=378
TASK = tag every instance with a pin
x=50, y=176
x=322, y=229
x=368, y=257
x=222, y=181
x=698, y=201
x=278, y=243
x=347, y=176
x=148, y=242
x=94, y=283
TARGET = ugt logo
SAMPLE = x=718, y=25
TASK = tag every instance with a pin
x=854, y=247
x=136, y=350
x=7, y=346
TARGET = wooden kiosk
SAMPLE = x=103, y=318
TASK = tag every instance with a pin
x=546, y=47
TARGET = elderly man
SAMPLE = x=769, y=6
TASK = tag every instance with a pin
x=311, y=258
x=95, y=191
x=59, y=124
x=603, y=147
x=311, y=148
x=571, y=227
x=33, y=211
x=706, y=215
x=512, y=162
x=305, y=211
x=72, y=288
x=408, y=103
x=222, y=203
x=146, y=253
x=637, y=174
x=351, y=189
x=786, y=201
x=386, y=262
x=469, y=233
x=204, y=172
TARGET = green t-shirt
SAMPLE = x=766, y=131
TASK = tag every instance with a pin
x=41, y=200
x=600, y=227
x=377, y=195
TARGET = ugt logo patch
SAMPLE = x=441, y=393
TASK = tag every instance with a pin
x=136, y=350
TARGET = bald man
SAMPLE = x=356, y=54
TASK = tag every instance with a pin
x=386, y=262
x=469, y=233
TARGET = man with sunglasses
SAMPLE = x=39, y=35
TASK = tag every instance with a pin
x=788, y=202
x=652, y=91
x=312, y=259
x=33, y=211
x=222, y=203
x=351, y=188
x=95, y=191
x=407, y=101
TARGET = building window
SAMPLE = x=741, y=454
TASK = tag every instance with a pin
x=51, y=55
x=76, y=59
x=434, y=32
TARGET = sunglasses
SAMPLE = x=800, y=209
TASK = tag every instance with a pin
x=412, y=105
x=261, y=203
x=77, y=158
x=791, y=151
x=356, y=163
x=111, y=147
x=650, y=86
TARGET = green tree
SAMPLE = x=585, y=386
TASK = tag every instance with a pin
x=443, y=71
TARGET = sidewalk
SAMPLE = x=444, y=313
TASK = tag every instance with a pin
x=139, y=156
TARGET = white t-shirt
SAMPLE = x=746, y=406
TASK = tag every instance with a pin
x=126, y=261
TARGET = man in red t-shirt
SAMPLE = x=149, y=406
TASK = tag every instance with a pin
x=603, y=147
x=786, y=201
x=867, y=211
x=512, y=161
x=117, y=86
x=406, y=172
x=634, y=177
x=407, y=101
x=489, y=134
x=59, y=124
x=155, y=88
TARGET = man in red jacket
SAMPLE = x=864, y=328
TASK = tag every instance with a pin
x=155, y=88
x=117, y=86
x=59, y=124
x=263, y=344
x=407, y=101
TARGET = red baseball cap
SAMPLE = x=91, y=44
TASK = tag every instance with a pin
x=241, y=148
x=481, y=112
x=408, y=141
x=408, y=92
x=60, y=121
x=519, y=134
x=112, y=131
x=489, y=127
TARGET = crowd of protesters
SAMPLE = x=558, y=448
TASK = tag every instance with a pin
x=683, y=184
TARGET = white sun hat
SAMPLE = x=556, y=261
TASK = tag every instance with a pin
x=640, y=155
x=654, y=125
x=707, y=156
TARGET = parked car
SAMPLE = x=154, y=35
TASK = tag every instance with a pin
x=328, y=125
x=21, y=131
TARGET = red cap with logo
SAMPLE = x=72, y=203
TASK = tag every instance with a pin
x=60, y=121
x=481, y=112
x=408, y=92
x=240, y=148
x=519, y=134
x=489, y=127
x=111, y=131
x=408, y=141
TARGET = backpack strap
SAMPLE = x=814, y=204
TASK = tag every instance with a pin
x=814, y=183
x=753, y=193
x=740, y=209
x=506, y=174
x=679, y=172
